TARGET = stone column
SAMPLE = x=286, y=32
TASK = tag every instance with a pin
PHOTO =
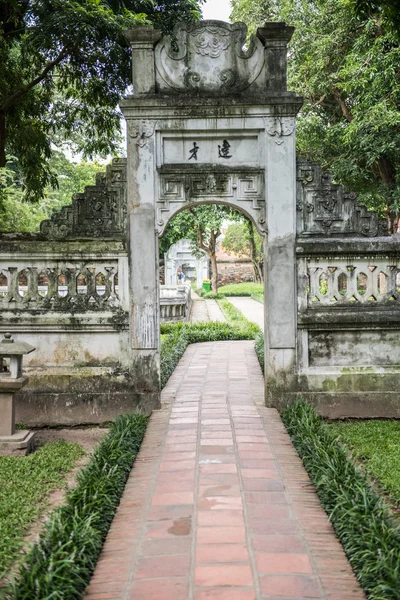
x=275, y=37
x=280, y=279
x=143, y=242
x=142, y=41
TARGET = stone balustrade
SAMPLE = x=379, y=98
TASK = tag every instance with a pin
x=175, y=302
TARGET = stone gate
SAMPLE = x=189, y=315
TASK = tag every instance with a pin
x=210, y=121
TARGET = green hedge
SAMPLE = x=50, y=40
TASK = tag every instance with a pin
x=59, y=565
x=361, y=520
x=259, y=348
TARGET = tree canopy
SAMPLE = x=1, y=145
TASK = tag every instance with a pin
x=242, y=239
x=344, y=59
x=18, y=215
x=64, y=65
x=202, y=225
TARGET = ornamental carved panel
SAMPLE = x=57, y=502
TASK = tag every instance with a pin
x=209, y=56
x=325, y=209
x=243, y=190
x=100, y=211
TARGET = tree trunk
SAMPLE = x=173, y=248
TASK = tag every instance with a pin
x=2, y=139
x=214, y=272
x=258, y=275
x=212, y=247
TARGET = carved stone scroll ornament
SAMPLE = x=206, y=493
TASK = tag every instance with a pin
x=208, y=56
x=142, y=131
x=279, y=127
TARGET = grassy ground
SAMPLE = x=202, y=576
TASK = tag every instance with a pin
x=376, y=444
x=362, y=520
x=241, y=289
x=25, y=483
x=60, y=563
x=259, y=297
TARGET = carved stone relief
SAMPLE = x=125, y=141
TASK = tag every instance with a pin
x=142, y=131
x=279, y=127
x=100, y=211
x=240, y=189
x=208, y=55
x=324, y=208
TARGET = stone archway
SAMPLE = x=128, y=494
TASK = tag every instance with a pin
x=211, y=122
x=181, y=253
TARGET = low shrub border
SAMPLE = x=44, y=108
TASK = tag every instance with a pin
x=177, y=337
x=361, y=519
x=60, y=564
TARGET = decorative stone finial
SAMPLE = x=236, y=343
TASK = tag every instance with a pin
x=8, y=339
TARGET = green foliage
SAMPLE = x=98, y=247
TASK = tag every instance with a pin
x=377, y=445
x=241, y=289
x=243, y=240
x=258, y=297
x=64, y=65
x=189, y=224
x=180, y=335
x=345, y=62
x=25, y=482
x=202, y=226
x=259, y=348
x=17, y=214
x=361, y=520
x=60, y=564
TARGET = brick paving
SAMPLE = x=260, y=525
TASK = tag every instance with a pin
x=218, y=505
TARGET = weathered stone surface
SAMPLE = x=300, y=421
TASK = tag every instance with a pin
x=326, y=209
x=99, y=212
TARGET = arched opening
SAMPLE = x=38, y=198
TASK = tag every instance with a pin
x=220, y=244
x=246, y=245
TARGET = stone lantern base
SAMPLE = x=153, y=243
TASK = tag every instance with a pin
x=20, y=443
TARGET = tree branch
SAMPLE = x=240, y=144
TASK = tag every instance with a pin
x=346, y=113
x=24, y=90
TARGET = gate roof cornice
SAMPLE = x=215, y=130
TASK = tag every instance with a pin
x=208, y=60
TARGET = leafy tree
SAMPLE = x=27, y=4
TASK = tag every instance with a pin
x=202, y=225
x=64, y=65
x=345, y=60
x=242, y=239
x=17, y=214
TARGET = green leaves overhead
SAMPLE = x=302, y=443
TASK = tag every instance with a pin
x=64, y=65
x=344, y=59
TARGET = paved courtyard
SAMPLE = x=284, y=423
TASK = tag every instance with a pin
x=218, y=505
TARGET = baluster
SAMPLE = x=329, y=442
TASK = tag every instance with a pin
x=90, y=277
x=33, y=284
x=71, y=274
x=12, y=294
x=314, y=273
x=351, y=283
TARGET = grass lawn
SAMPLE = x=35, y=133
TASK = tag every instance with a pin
x=376, y=444
x=241, y=289
x=25, y=482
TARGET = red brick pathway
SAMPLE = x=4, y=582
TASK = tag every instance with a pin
x=218, y=505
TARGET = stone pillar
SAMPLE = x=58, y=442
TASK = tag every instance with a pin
x=143, y=242
x=280, y=277
x=142, y=41
x=7, y=412
x=275, y=37
x=143, y=261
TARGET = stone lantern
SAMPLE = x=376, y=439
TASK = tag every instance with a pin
x=11, y=381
